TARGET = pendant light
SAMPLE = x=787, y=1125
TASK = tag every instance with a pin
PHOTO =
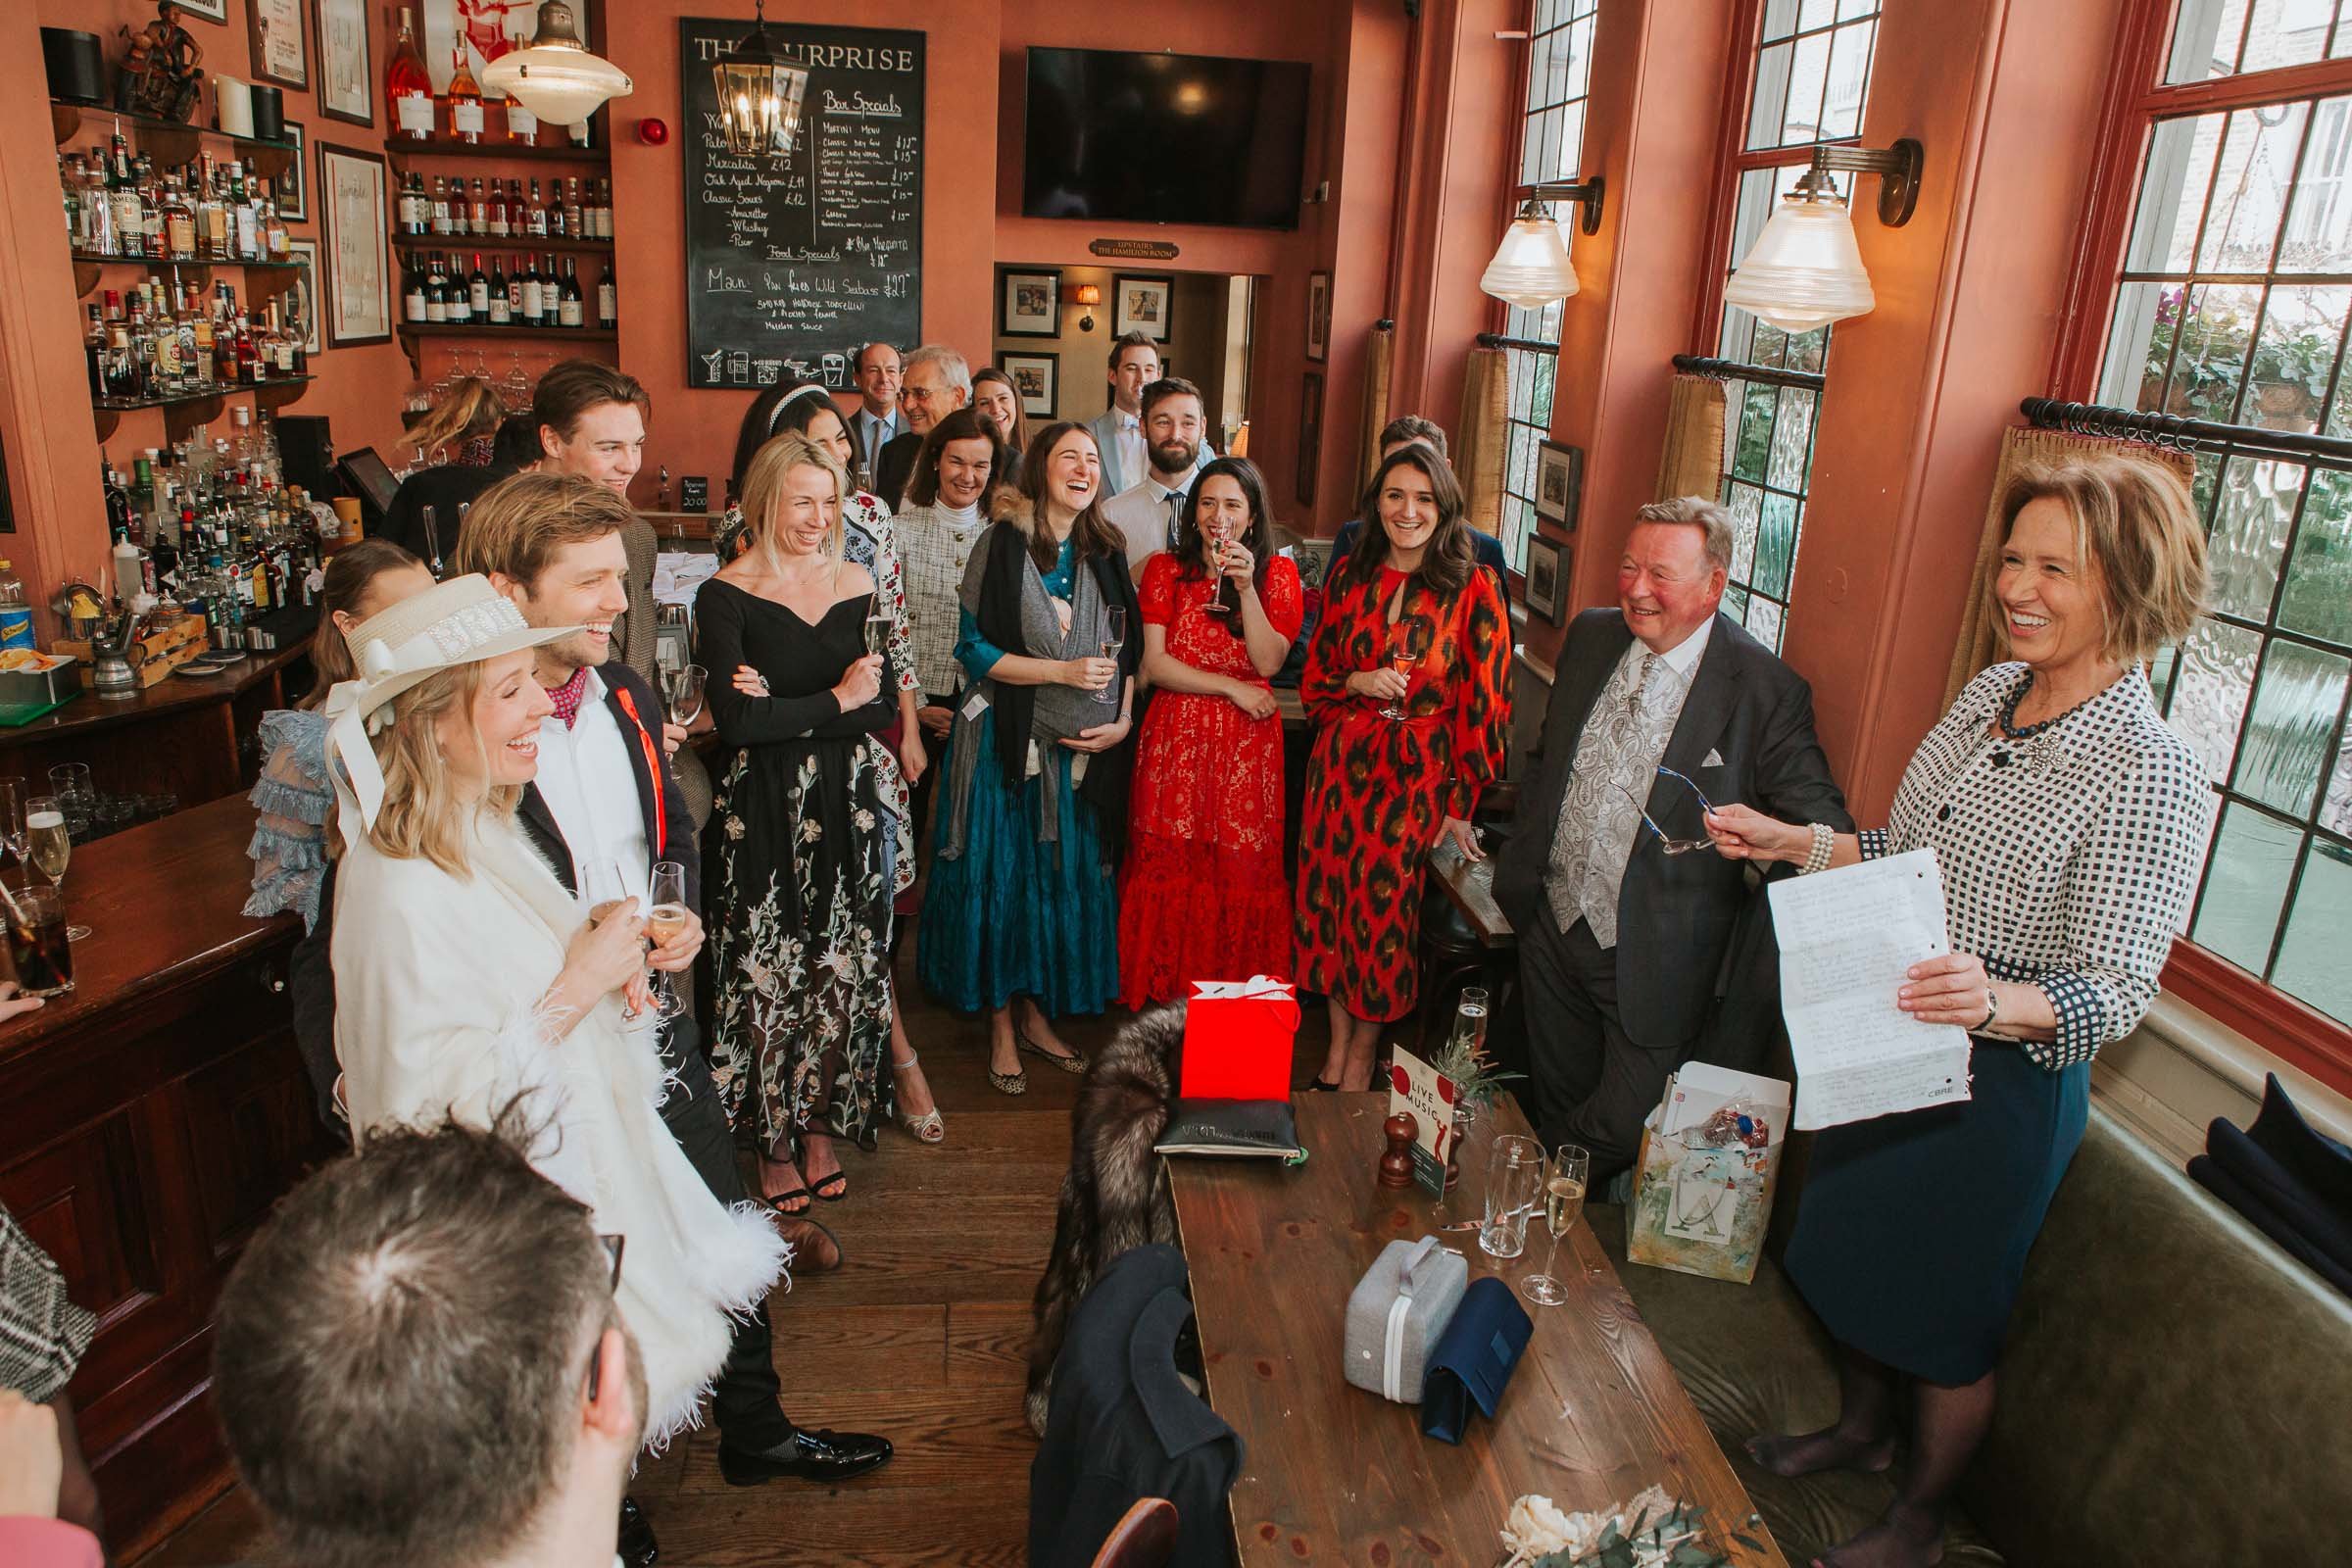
x=1805, y=269
x=1531, y=267
x=759, y=93
x=556, y=78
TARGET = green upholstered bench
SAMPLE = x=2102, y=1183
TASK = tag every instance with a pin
x=2176, y=1390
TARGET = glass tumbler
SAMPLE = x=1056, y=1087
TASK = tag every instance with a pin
x=1514, y=1187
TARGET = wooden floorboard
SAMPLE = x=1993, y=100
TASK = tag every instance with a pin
x=922, y=1334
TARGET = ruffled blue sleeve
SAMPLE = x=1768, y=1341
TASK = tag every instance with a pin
x=294, y=801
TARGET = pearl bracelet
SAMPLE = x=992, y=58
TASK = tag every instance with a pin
x=1824, y=844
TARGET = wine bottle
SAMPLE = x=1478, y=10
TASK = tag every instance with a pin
x=502, y=311
x=535, y=222
x=521, y=125
x=499, y=226
x=461, y=297
x=575, y=219
x=441, y=212
x=436, y=301
x=409, y=87
x=572, y=305
x=464, y=102
x=607, y=300
x=533, y=295
x=477, y=291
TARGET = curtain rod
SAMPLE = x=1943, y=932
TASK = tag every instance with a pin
x=2094, y=418
x=1734, y=371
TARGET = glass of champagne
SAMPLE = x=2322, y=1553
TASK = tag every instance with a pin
x=684, y=688
x=665, y=917
x=1402, y=657
x=603, y=891
x=1115, y=638
x=1563, y=1203
x=1225, y=603
x=877, y=634
x=51, y=846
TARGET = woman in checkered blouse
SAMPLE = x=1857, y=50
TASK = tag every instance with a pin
x=2070, y=824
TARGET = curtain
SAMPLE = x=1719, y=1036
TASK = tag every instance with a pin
x=1479, y=448
x=1692, y=462
x=2022, y=446
x=1381, y=347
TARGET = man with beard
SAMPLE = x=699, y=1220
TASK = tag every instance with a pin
x=1150, y=511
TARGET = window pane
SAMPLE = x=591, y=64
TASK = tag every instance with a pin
x=2311, y=960
x=2319, y=220
x=2290, y=737
x=2249, y=530
x=1850, y=75
x=2218, y=38
x=2208, y=699
x=2317, y=601
x=2250, y=188
x=2210, y=358
x=2285, y=32
x=1764, y=619
x=1792, y=440
x=2161, y=670
x=2335, y=812
x=1770, y=103
x=1808, y=80
x=1752, y=451
x=1747, y=509
x=2172, y=194
x=2253, y=857
x=2294, y=356
x=1776, y=545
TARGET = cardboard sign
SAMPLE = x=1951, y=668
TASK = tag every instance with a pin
x=1427, y=1096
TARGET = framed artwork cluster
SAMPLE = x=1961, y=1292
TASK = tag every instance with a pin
x=1029, y=304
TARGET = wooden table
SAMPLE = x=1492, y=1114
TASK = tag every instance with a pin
x=1334, y=1474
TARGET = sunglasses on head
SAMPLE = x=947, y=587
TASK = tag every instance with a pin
x=614, y=1246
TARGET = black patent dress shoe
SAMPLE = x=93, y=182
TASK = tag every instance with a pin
x=636, y=1545
x=811, y=1456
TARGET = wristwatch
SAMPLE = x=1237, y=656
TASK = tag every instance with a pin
x=1992, y=1010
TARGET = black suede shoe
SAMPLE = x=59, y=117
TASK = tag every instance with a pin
x=811, y=1456
x=636, y=1544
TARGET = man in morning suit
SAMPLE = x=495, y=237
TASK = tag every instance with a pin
x=1622, y=947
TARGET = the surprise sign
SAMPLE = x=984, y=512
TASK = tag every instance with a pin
x=792, y=262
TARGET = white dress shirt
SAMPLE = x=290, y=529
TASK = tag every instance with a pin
x=1134, y=457
x=590, y=788
x=1144, y=517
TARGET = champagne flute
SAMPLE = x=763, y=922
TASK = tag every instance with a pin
x=1402, y=657
x=603, y=891
x=51, y=846
x=684, y=688
x=1563, y=1203
x=1225, y=603
x=1115, y=638
x=877, y=634
x=665, y=917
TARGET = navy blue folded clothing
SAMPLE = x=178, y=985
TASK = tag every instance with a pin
x=2208, y=1173
x=2281, y=1192
x=2318, y=1162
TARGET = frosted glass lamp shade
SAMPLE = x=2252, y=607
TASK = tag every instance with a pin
x=556, y=79
x=1531, y=267
x=1804, y=271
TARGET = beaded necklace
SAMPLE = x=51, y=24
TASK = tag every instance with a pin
x=2009, y=729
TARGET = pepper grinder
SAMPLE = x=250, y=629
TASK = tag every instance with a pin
x=1397, y=1166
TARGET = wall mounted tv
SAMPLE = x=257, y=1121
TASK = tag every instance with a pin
x=1161, y=138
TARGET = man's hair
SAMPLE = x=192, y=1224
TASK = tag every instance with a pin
x=857, y=359
x=400, y=1354
x=1695, y=512
x=1133, y=340
x=1413, y=428
x=952, y=365
x=2136, y=540
x=517, y=525
x=575, y=386
x=1166, y=387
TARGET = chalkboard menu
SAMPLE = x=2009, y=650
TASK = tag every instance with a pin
x=793, y=262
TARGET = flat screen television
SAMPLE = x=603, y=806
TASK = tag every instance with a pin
x=1159, y=138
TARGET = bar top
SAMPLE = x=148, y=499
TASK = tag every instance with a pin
x=89, y=710
x=163, y=902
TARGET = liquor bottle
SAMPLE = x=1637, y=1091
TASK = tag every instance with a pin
x=436, y=300
x=572, y=305
x=282, y=341
x=534, y=298
x=93, y=349
x=409, y=87
x=581, y=134
x=441, y=214
x=251, y=371
x=465, y=101
x=499, y=226
x=521, y=125
x=179, y=223
x=202, y=319
x=535, y=219
x=212, y=214
x=555, y=210
x=68, y=185
x=502, y=309
x=277, y=241
x=603, y=209
x=477, y=290
x=404, y=208
x=123, y=200
x=575, y=218
x=459, y=298
x=477, y=211
x=97, y=210
x=192, y=375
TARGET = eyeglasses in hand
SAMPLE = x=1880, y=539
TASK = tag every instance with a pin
x=1668, y=844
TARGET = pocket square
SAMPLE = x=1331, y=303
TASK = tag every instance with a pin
x=1714, y=758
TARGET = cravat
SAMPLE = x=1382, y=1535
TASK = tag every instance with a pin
x=1616, y=758
x=568, y=695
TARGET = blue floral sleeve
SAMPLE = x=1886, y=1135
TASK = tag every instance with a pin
x=294, y=801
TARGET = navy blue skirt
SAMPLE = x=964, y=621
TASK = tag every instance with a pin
x=1912, y=1234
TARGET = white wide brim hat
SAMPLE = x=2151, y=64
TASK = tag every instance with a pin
x=462, y=621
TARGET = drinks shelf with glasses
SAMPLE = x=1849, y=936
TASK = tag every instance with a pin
x=422, y=244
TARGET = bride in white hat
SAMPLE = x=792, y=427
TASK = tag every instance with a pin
x=466, y=974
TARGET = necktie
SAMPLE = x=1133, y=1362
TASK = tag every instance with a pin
x=568, y=695
x=1175, y=518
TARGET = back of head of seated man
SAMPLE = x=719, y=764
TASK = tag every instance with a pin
x=418, y=1361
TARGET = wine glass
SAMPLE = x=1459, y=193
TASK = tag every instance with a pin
x=1563, y=1202
x=1402, y=657
x=1220, y=534
x=12, y=818
x=684, y=688
x=517, y=388
x=51, y=846
x=1115, y=638
x=666, y=916
x=603, y=891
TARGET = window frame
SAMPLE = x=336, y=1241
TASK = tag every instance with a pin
x=2137, y=98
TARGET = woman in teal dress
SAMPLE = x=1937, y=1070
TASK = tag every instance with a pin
x=1020, y=918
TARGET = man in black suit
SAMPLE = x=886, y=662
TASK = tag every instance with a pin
x=1622, y=946
x=937, y=382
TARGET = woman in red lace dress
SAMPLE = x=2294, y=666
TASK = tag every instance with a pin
x=1409, y=619
x=1205, y=897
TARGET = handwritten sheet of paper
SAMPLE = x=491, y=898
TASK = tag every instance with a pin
x=1847, y=937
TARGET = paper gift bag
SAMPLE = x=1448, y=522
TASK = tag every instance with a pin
x=1702, y=1185
x=1237, y=1038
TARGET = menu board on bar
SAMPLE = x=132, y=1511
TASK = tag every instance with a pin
x=792, y=262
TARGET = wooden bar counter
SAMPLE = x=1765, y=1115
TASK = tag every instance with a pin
x=147, y=1123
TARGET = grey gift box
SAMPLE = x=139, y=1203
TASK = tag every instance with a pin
x=1396, y=1313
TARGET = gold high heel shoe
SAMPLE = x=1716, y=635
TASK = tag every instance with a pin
x=930, y=1127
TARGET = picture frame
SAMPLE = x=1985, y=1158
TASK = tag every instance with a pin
x=1029, y=304
x=353, y=195
x=1545, y=590
x=274, y=30
x=1037, y=377
x=346, y=71
x=303, y=295
x=293, y=187
x=1141, y=302
x=1318, y=317
x=1310, y=435
x=1559, y=483
x=203, y=10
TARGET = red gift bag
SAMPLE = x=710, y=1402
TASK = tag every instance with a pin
x=1237, y=1038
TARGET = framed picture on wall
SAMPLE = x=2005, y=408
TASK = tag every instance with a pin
x=358, y=278
x=346, y=75
x=203, y=10
x=1030, y=305
x=1142, y=305
x=1037, y=377
x=274, y=29
x=301, y=305
x=293, y=187
x=1318, y=317
x=1310, y=435
x=1559, y=480
x=1545, y=588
